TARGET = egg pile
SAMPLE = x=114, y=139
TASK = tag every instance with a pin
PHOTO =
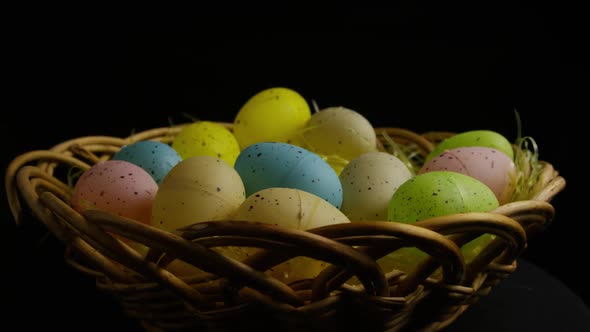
x=282, y=165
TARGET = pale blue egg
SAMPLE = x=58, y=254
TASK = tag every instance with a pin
x=273, y=164
x=156, y=158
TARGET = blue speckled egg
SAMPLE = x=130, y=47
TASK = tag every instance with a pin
x=273, y=164
x=156, y=158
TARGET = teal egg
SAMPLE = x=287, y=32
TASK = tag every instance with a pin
x=156, y=158
x=275, y=164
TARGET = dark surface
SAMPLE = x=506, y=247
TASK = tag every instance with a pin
x=421, y=68
x=529, y=300
x=58, y=298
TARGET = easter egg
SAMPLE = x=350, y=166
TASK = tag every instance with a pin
x=339, y=131
x=200, y=188
x=488, y=165
x=116, y=186
x=368, y=183
x=485, y=138
x=156, y=158
x=274, y=164
x=271, y=115
x=291, y=208
x=440, y=193
x=206, y=138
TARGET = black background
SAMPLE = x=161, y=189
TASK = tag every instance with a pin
x=101, y=71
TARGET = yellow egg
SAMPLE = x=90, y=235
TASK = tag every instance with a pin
x=205, y=138
x=339, y=131
x=291, y=208
x=272, y=115
x=200, y=188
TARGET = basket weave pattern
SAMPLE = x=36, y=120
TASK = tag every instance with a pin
x=234, y=295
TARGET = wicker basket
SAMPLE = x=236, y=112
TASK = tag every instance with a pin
x=238, y=296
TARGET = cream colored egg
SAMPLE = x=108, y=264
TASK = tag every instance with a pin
x=368, y=183
x=201, y=188
x=291, y=208
x=288, y=207
x=338, y=131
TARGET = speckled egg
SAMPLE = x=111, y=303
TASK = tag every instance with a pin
x=200, y=188
x=440, y=193
x=291, y=208
x=271, y=115
x=288, y=207
x=485, y=138
x=274, y=164
x=339, y=131
x=206, y=138
x=116, y=186
x=368, y=183
x=490, y=166
x=156, y=158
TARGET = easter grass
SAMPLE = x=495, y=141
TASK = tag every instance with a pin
x=408, y=154
x=526, y=161
x=528, y=165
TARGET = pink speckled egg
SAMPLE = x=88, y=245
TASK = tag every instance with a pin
x=116, y=186
x=488, y=165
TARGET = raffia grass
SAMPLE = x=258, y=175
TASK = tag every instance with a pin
x=234, y=295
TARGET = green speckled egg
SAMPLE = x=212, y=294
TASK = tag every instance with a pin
x=440, y=193
x=485, y=138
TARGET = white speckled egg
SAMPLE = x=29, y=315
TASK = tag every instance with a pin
x=291, y=208
x=288, y=207
x=490, y=166
x=368, y=183
x=200, y=188
x=339, y=131
x=116, y=186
